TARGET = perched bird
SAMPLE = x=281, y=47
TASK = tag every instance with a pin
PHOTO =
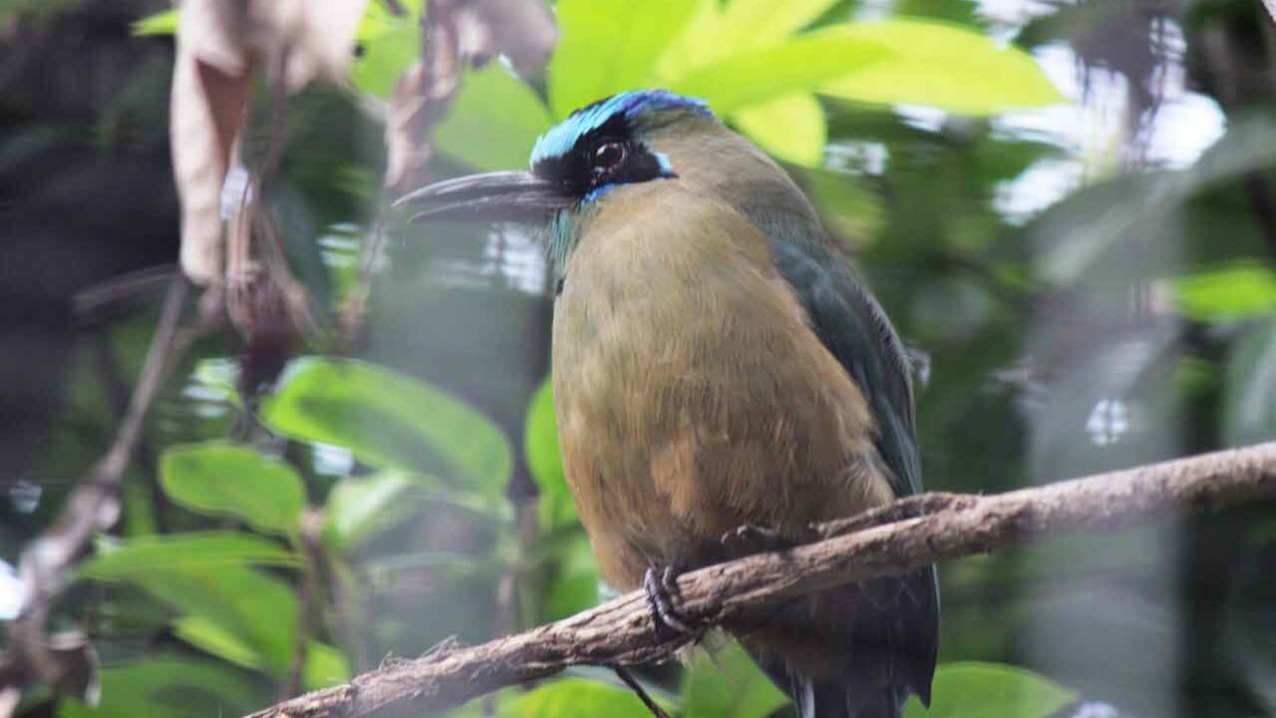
x=718, y=365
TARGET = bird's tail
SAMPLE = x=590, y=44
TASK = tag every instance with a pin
x=830, y=698
x=852, y=652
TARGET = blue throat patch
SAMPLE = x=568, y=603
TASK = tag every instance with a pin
x=634, y=105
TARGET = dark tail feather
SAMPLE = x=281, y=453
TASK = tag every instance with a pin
x=831, y=699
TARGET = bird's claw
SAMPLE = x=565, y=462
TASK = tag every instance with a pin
x=661, y=588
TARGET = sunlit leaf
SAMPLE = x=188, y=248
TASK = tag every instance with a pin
x=359, y=506
x=790, y=127
x=205, y=551
x=1241, y=291
x=384, y=59
x=944, y=66
x=729, y=685
x=746, y=24
x=167, y=687
x=575, y=698
x=163, y=22
x=223, y=479
x=694, y=45
x=1249, y=398
x=899, y=61
x=390, y=420
x=715, y=31
x=493, y=122
x=798, y=64
x=983, y=690
x=607, y=46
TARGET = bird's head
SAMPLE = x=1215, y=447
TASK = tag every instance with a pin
x=574, y=166
x=617, y=143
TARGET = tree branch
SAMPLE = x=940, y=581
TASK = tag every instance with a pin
x=621, y=632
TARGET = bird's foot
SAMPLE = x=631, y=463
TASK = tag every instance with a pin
x=661, y=587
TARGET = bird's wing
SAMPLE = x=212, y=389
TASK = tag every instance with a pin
x=853, y=327
x=855, y=330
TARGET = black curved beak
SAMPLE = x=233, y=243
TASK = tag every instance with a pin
x=492, y=197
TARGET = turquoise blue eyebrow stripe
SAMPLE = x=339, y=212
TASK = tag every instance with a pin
x=560, y=138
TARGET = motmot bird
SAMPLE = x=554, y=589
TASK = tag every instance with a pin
x=716, y=365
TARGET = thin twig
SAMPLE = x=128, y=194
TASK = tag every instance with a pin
x=117, y=395
x=621, y=632
x=625, y=675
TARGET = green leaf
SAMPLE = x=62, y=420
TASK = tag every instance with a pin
x=727, y=684
x=386, y=54
x=255, y=615
x=163, y=22
x=167, y=687
x=325, y=666
x=210, y=551
x=1092, y=226
x=1245, y=290
x=210, y=637
x=988, y=690
x=486, y=139
x=555, y=505
x=747, y=24
x=1249, y=396
x=713, y=33
x=392, y=421
x=573, y=584
x=900, y=61
x=575, y=698
x=360, y=506
x=223, y=479
x=607, y=46
x=944, y=66
x=851, y=209
x=796, y=65
x=790, y=127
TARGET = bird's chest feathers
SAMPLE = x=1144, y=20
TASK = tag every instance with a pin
x=691, y=395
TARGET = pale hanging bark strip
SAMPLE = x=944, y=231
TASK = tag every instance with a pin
x=621, y=632
x=219, y=45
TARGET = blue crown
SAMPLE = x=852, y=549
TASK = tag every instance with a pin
x=633, y=105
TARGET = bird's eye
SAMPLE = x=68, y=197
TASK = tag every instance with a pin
x=608, y=157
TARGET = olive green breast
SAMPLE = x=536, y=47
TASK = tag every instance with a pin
x=692, y=397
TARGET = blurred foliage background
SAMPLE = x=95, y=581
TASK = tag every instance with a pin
x=1067, y=206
